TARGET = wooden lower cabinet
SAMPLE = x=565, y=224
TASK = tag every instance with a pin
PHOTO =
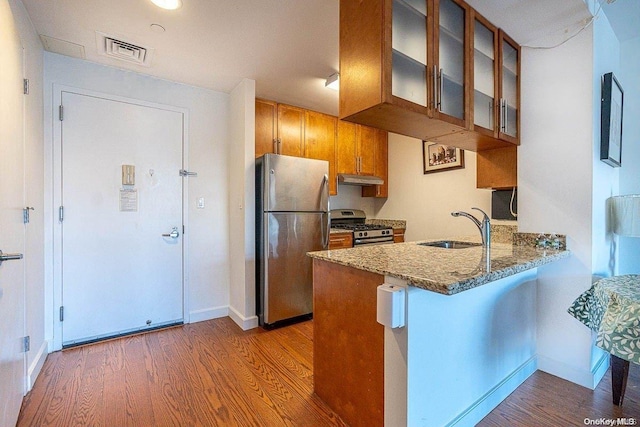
x=348, y=343
x=398, y=235
x=340, y=240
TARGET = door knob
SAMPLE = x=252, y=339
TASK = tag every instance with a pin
x=8, y=257
x=174, y=233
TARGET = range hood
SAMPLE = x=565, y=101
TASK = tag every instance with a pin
x=344, y=178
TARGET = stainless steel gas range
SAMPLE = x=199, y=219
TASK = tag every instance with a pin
x=363, y=234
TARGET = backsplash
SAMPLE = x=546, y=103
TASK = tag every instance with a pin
x=531, y=239
x=503, y=233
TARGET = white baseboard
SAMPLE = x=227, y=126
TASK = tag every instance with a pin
x=36, y=365
x=589, y=379
x=245, y=323
x=208, y=314
x=481, y=407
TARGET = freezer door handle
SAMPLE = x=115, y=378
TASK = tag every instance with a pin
x=325, y=183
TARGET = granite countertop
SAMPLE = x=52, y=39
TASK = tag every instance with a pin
x=446, y=271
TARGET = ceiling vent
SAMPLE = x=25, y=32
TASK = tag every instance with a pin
x=123, y=50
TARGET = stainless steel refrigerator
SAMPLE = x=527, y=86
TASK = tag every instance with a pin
x=292, y=218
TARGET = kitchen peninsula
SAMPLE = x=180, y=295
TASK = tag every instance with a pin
x=468, y=340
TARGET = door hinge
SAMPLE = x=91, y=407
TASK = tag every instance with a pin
x=26, y=343
x=25, y=86
x=61, y=112
x=61, y=213
x=61, y=313
x=25, y=214
x=187, y=173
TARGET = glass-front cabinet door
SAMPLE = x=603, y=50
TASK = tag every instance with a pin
x=485, y=72
x=409, y=50
x=449, y=69
x=509, y=107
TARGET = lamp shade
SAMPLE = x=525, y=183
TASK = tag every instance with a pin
x=625, y=215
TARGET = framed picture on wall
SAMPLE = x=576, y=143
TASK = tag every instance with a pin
x=439, y=158
x=611, y=121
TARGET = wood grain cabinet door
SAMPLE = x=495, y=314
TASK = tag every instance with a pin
x=366, y=138
x=320, y=142
x=290, y=130
x=265, y=127
x=346, y=148
x=380, y=167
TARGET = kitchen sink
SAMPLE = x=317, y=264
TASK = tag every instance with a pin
x=450, y=244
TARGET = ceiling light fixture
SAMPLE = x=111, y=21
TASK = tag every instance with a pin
x=333, y=81
x=168, y=4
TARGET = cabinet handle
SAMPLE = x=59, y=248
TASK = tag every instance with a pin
x=440, y=89
x=275, y=146
x=503, y=118
x=506, y=118
x=434, y=86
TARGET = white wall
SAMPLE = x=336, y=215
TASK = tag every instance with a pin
x=242, y=206
x=208, y=115
x=629, y=247
x=555, y=176
x=34, y=188
x=426, y=201
x=606, y=58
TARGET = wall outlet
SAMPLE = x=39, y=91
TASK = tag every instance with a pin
x=200, y=203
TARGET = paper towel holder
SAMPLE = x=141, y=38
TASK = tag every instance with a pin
x=391, y=305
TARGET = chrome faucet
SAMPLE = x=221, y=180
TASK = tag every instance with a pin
x=484, y=226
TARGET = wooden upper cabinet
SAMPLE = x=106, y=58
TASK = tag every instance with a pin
x=381, y=154
x=450, y=75
x=279, y=129
x=366, y=148
x=356, y=149
x=266, y=115
x=290, y=138
x=406, y=67
x=509, y=120
x=497, y=168
x=320, y=142
x=496, y=94
x=346, y=153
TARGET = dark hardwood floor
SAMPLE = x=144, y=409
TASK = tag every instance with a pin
x=213, y=374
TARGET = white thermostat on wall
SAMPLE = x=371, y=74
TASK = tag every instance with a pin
x=391, y=305
x=128, y=175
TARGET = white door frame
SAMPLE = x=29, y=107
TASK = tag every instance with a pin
x=56, y=226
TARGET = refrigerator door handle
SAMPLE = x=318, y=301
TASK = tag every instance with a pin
x=325, y=183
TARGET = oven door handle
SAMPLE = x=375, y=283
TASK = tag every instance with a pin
x=373, y=240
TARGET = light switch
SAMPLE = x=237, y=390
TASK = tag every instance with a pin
x=200, y=204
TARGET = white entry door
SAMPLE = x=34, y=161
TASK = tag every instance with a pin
x=12, y=278
x=122, y=244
